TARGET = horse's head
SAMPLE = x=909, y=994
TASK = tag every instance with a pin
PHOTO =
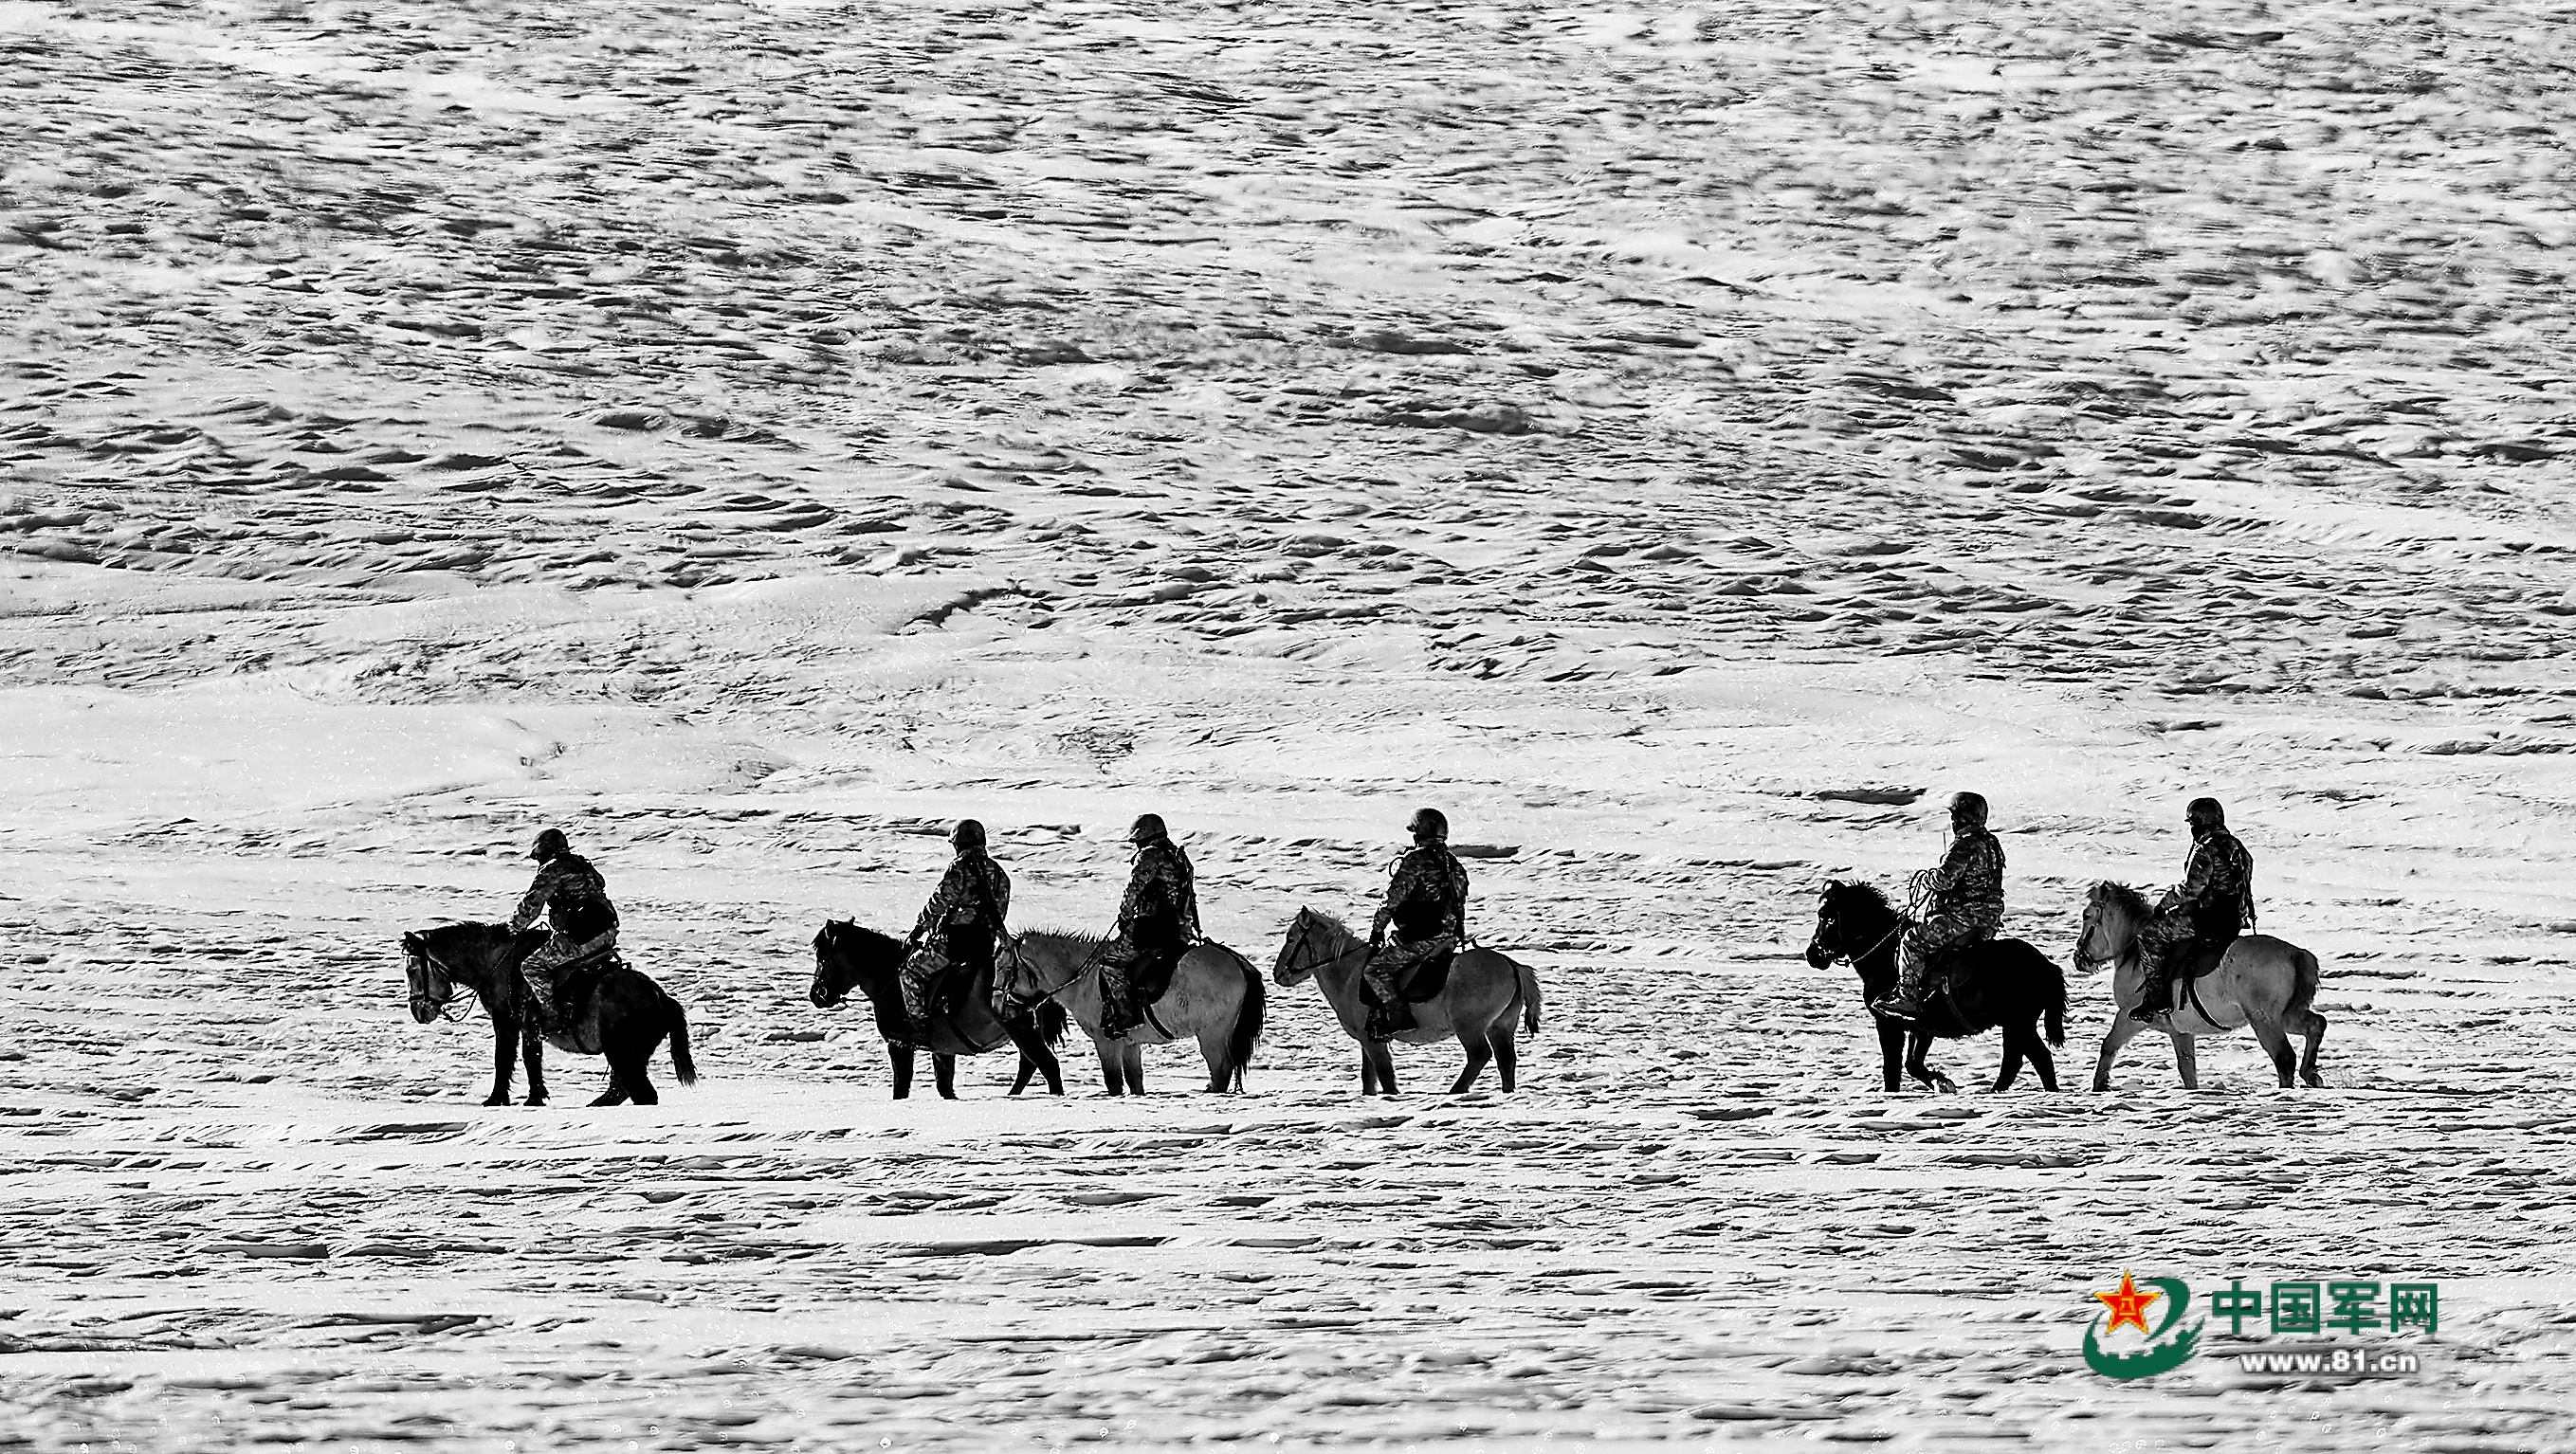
x=1850, y=916
x=2113, y=914
x=427, y=979
x=848, y=957
x=1314, y=940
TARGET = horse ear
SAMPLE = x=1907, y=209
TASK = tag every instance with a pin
x=411, y=942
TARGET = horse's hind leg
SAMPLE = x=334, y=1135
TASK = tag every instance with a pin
x=1035, y=1059
x=2042, y=1061
x=2276, y=1045
x=2311, y=1026
x=1215, y=1047
x=1479, y=1055
x=943, y=1073
x=637, y=1077
x=1507, y=1051
x=2014, y=1051
x=615, y=1095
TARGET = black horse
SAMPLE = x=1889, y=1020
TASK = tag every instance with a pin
x=618, y=1013
x=2001, y=982
x=848, y=957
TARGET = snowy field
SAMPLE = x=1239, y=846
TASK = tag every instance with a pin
x=1685, y=445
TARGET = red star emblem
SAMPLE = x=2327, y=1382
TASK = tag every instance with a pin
x=2128, y=1305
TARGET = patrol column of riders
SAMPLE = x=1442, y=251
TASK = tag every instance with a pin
x=2213, y=904
x=1158, y=921
x=1426, y=908
x=1966, y=904
x=963, y=922
x=573, y=897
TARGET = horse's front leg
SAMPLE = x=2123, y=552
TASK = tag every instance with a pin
x=1112, y=1072
x=900, y=1058
x=2122, y=1028
x=532, y=1053
x=503, y=1033
x=1891, y=1051
x=943, y=1073
x=1917, y=1046
x=2186, y=1060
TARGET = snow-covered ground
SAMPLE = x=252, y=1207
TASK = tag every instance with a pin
x=1685, y=445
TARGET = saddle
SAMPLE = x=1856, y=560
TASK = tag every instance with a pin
x=1430, y=975
x=1154, y=974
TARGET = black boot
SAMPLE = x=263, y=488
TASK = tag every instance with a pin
x=2151, y=998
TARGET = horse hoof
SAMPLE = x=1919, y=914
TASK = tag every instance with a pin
x=534, y=1101
x=497, y=1101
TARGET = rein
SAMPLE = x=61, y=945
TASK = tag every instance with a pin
x=445, y=1008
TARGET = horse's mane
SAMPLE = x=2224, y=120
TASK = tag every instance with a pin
x=2124, y=898
x=1066, y=938
x=1334, y=923
x=1867, y=893
x=461, y=929
x=868, y=938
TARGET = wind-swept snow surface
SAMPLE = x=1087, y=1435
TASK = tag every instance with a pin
x=1683, y=445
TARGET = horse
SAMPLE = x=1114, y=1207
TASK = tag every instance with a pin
x=1215, y=996
x=2259, y=982
x=848, y=956
x=617, y=1012
x=1485, y=993
x=2000, y=983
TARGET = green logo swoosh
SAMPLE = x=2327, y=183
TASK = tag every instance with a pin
x=2157, y=1357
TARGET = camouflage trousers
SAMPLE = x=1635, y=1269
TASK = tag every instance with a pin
x=543, y=970
x=1952, y=930
x=1395, y=960
x=2164, y=936
x=1120, y=958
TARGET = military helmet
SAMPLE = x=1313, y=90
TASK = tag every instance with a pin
x=1970, y=806
x=549, y=844
x=2205, y=812
x=967, y=834
x=1429, y=822
x=1147, y=828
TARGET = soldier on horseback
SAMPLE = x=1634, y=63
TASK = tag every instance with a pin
x=1426, y=906
x=2213, y=905
x=1966, y=904
x=962, y=923
x=1158, y=921
x=573, y=898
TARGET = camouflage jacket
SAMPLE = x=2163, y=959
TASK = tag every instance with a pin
x=1427, y=895
x=1162, y=892
x=571, y=895
x=973, y=891
x=1971, y=874
x=2217, y=889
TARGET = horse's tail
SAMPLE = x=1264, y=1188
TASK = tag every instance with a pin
x=1529, y=997
x=681, y=1065
x=2056, y=1002
x=1049, y=1019
x=2303, y=988
x=1247, y=1019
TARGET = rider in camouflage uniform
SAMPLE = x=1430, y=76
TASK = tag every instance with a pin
x=1967, y=904
x=1158, y=920
x=573, y=899
x=962, y=922
x=1426, y=906
x=2214, y=904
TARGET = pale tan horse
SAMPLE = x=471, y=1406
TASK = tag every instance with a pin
x=1488, y=996
x=1216, y=997
x=2261, y=983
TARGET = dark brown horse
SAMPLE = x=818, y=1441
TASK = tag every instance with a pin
x=847, y=957
x=2002, y=983
x=617, y=1013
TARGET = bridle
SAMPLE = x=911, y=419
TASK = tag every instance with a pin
x=440, y=1009
x=1006, y=986
x=1902, y=924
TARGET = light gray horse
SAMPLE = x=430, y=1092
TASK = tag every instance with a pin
x=1485, y=994
x=1216, y=998
x=2261, y=983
